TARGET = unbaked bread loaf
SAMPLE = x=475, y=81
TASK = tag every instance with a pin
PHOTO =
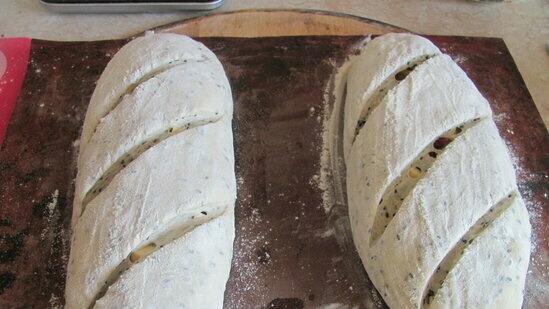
x=153, y=216
x=435, y=212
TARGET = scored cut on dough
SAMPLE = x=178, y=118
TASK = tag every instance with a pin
x=181, y=177
x=196, y=263
x=385, y=58
x=455, y=213
x=141, y=58
x=185, y=96
x=454, y=193
x=404, y=130
x=503, y=256
x=149, y=227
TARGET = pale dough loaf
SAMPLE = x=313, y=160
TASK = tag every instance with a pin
x=435, y=212
x=160, y=227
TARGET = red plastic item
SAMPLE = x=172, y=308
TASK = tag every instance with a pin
x=14, y=56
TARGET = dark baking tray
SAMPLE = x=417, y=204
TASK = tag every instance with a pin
x=289, y=251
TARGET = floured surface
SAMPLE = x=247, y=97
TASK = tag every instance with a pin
x=289, y=252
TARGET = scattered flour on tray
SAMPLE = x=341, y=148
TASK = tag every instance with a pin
x=246, y=267
x=332, y=167
x=52, y=216
x=536, y=281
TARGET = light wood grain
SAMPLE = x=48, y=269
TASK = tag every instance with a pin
x=268, y=23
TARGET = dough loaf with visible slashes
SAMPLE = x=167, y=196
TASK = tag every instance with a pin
x=435, y=212
x=153, y=215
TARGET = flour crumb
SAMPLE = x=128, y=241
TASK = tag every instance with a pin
x=52, y=216
x=460, y=59
x=55, y=302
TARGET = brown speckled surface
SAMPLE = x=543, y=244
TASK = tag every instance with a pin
x=36, y=160
x=288, y=252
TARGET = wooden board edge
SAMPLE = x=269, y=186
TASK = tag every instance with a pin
x=277, y=22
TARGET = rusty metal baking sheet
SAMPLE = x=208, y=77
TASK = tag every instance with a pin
x=289, y=251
